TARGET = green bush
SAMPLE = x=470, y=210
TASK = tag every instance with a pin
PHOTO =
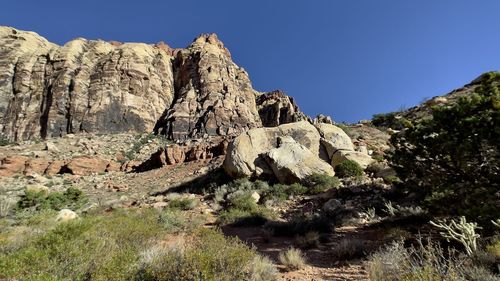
x=92, y=248
x=454, y=155
x=348, y=168
x=72, y=198
x=282, y=192
x=318, y=183
x=183, y=203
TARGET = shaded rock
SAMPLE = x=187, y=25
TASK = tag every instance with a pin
x=292, y=162
x=342, y=155
x=276, y=108
x=332, y=207
x=55, y=167
x=175, y=154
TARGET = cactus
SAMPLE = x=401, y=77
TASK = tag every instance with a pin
x=461, y=231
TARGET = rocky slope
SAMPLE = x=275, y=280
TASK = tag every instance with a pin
x=94, y=86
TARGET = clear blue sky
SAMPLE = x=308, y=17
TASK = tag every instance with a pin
x=348, y=59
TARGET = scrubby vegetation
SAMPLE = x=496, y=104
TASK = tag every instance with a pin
x=124, y=246
x=292, y=259
x=348, y=168
x=428, y=261
x=454, y=156
x=72, y=198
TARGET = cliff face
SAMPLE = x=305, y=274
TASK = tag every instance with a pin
x=94, y=86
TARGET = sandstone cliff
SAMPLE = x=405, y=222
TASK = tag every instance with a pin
x=95, y=86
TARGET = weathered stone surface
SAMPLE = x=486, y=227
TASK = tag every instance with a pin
x=36, y=165
x=189, y=151
x=292, y=162
x=86, y=165
x=333, y=138
x=55, y=167
x=245, y=155
x=93, y=86
x=342, y=155
x=213, y=95
x=276, y=108
x=12, y=165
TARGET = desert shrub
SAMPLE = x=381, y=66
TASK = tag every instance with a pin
x=348, y=168
x=423, y=262
x=300, y=225
x=393, y=120
x=494, y=248
x=239, y=217
x=183, y=203
x=96, y=248
x=292, y=259
x=454, y=155
x=173, y=220
x=318, y=183
x=375, y=167
x=349, y=249
x=72, y=198
x=281, y=192
x=308, y=240
x=262, y=269
x=207, y=256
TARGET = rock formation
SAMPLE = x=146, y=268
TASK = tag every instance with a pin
x=290, y=152
x=94, y=86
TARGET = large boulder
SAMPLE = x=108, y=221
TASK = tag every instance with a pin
x=292, y=162
x=333, y=138
x=246, y=154
x=85, y=165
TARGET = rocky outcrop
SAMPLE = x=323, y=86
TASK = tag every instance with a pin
x=291, y=152
x=174, y=154
x=213, y=95
x=245, y=155
x=276, y=108
x=94, y=86
x=82, y=165
x=85, y=85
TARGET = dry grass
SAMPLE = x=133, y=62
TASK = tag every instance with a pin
x=292, y=259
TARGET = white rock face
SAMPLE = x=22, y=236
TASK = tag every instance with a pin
x=245, y=155
x=334, y=138
x=66, y=215
x=292, y=162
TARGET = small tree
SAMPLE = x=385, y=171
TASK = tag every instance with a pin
x=454, y=155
